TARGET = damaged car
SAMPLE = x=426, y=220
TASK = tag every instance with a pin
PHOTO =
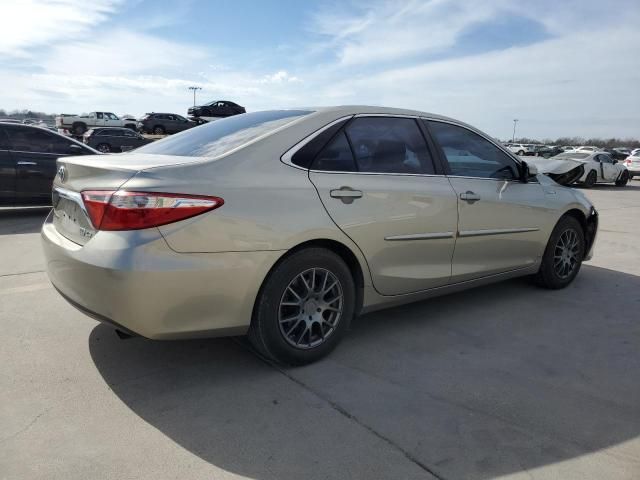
x=586, y=168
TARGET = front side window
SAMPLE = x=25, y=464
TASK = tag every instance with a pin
x=111, y=116
x=470, y=155
x=389, y=145
x=217, y=138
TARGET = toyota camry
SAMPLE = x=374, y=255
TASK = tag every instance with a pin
x=285, y=224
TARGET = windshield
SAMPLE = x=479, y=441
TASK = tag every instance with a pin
x=221, y=136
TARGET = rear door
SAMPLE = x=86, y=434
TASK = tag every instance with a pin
x=7, y=172
x=35, y=151
x=502, y=222
x=378, y=182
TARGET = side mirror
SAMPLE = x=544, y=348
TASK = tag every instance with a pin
x=527, y=171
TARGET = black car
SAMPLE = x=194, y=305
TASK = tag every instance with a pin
x=28, y=163
x=161, y=123
x=547, y=151
x=113, y=139
x=217, y=108
x=616, y=154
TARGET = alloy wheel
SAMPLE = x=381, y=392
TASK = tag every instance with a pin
x=310, y=308
x=565, y=258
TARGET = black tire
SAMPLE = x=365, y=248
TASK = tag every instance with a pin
x=267, y=332
x=623, y=179
x=103, y=147
x=592, y=178
x=520, y=152
x=552, y=274
x=79, y=128
x=158, y=130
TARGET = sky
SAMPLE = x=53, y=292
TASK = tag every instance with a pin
x=562, y=68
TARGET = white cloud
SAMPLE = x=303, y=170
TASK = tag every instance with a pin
x=33, y=23
x=388, y=31
x=121, y=52
x=280, y=76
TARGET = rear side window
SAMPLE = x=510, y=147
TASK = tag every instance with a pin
x=470, y=155
x=336, y=156
x=221, y=136
x=305, y=156
x=389, y=145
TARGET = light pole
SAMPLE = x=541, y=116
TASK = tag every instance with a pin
x=515, y=120
x=194, y=93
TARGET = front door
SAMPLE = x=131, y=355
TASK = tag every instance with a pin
x=377, y=180
x=502, y=221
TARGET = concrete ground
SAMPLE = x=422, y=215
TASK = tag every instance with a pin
x=503, y=381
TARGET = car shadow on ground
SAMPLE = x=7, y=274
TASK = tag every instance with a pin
x=22, y=220
x=478, y=384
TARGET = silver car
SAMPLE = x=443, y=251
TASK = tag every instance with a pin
x=285, y=224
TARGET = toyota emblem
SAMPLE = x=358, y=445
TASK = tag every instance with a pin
x=62, y=173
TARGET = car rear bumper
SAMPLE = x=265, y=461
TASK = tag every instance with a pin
x=134, y=281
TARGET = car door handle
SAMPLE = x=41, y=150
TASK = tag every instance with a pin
x=27, y=163
x=346, y=194
x=469, y=196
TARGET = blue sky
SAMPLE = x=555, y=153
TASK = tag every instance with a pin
x=561, y=68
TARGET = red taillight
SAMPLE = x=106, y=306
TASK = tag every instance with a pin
x=121, y=210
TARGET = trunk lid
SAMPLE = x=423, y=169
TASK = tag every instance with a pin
x=95, y=172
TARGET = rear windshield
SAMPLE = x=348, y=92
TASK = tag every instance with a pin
x=221, y=136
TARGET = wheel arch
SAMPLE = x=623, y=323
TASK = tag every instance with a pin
x=589, y=224
x=340, y=249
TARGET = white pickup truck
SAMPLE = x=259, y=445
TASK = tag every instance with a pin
x=78, y=124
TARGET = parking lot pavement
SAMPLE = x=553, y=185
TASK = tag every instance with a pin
x=503, y=381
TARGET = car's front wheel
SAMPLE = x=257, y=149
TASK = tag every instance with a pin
x=563, y=255
x=304, y=307
x=520, y=152
x=624, y=178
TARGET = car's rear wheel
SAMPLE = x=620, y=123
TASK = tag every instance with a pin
x=158, y=130
x=623, y=179
x=304, y=307
x=104, y=148
x=563, y=256
x=591, y=179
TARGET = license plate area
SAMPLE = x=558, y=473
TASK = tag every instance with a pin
x=70, y=217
